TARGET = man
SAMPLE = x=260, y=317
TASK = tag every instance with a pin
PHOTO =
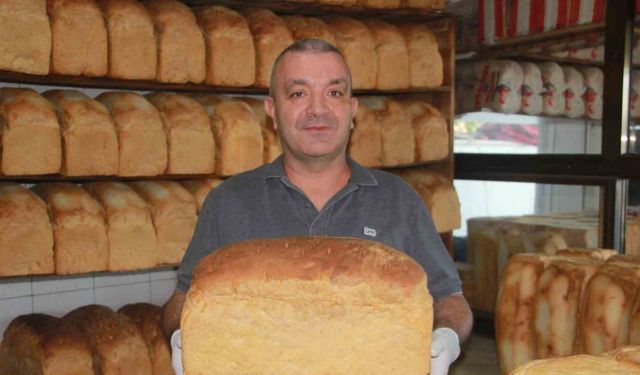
x=315, y=189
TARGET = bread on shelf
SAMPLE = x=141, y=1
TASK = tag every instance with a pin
x=201, y=188
x=89, y=138
x=425, y=61
x=365, y=142
x=430, y=129
x=302, y=27
x=393, y=55
x=272, y=145
x=398, y=137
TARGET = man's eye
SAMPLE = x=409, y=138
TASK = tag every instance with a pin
x=335, y=93
x=296, y=94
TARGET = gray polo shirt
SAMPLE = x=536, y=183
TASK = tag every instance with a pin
x=374, y=205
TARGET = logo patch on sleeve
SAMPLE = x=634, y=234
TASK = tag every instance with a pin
x=369, y=232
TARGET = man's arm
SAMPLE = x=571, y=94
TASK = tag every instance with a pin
x=172, y=310
x=453, y=312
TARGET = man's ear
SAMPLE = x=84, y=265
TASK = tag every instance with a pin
x=354, y=107
x=269, y=107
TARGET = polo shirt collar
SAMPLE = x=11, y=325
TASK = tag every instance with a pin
x=359, y=174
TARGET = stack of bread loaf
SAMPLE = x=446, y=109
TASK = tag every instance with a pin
x=311, y=305
x=164, y=40
x=88, y=340
x=575, y=302
x=547, y=88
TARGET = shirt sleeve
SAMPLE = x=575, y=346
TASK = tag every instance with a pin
x=203, y=242
x=429, y=251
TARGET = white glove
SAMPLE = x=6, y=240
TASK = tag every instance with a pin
x=445, y=348
x=176, y=353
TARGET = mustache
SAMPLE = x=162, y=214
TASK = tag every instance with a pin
x=317, y=120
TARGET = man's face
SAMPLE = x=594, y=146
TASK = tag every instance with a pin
x=312, y=108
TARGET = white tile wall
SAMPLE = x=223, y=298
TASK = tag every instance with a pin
x=58, y=304
x=117, y=296
x=57, y=284
x=15, y=287
x=13, y=307
x=121, y=278
x=161, y=290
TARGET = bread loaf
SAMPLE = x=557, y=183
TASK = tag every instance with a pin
x=201, y=188
x=26, y=237
x=425, y=61
x=430, y=129
x=79, y=228
x=25, y=36
x=132, y=44
x=89, y=138
x=424, y=4
x=365, y=143
x=191, y=145
x=237, y=132
x=627, y=354
x=43, y=344
x=577, y=364
x=380, y=4
x=79, y=38
x=173, y=210
x=116, y=342
x=356, y=43
x=272, y=146
x=148, y=318
x=393, y=56
x=141, y=138
x=30, y=133
x=398, y=137
x=302, y=27
x=132, y=238
x=231, y=55
x=181, y=51
x=307, y=305
x=271, y=36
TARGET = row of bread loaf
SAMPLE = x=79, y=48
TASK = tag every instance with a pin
x=90, y=340
x=533, y=89
x=64, y=228
x=621, y=361
x=577, y=302
x=392, y=132
x=383, y=4
x=163, y=40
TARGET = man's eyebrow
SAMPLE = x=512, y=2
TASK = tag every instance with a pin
x=338, y=81
x=294, y=82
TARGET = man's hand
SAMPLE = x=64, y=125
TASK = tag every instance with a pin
x=445, y=348
x=176, y=353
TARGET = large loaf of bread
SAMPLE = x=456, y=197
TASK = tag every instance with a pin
x=26, y=237
x=79, y=228
x=307, y=306
x=148, y=318
x=89, y=138
x=25, y=36
x=130, y=231
x=231, y=55
x=365, y=142
x=396, y=129
x=425, y=61
x=30, y=133
x=272, y=146
x=79, y=38
x=181, y=52
x=44, y=345
x=430, y=129
x=393, y=55
x=582, y=364
x=117, y=345
x=173, y=210
x=310, y=28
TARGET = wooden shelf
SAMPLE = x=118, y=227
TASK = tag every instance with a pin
x=142, y=85
x=161, y=267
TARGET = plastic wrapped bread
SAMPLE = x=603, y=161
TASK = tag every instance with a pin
x=201, y=188
x=554, y=87
x=507, y=78
x=26, y=236
x=594, y=81
x=532, y=89
x=365, y=142
x=574, y=101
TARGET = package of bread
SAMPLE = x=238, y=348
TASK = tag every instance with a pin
x=230, y=51
x=380, y=4
x=173, y=210
x=272, y=145
x=46, y=345
x=130, y=232
x=605, y=325
x=532, y=89
x=133, y=52
x=430, y=129
x=425, y=61
x=573, y=95
x=238, y=134
x=365, y=142
x=117, y=344
x=192, y=149
x=593, y=97
x=89, y=138
x=300, y=304
x=554, y=86
x=505, y=81
x=439, y=196
x=25, y=36
x=302, y=27
x=79, y=228
x=79, y=38
x=424, y=4
x=515, y=336
x=30, y=133
x=181, y=51
x=201, y=188
x=559, y=293
x=396, y=129
x=270, y=37
x=582, y=364
x=148, y=318
x=26, y=236
x=356, y=43
x=142, y=141
x=393, y=55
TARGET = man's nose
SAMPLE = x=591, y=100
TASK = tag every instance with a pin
x=318, y=105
